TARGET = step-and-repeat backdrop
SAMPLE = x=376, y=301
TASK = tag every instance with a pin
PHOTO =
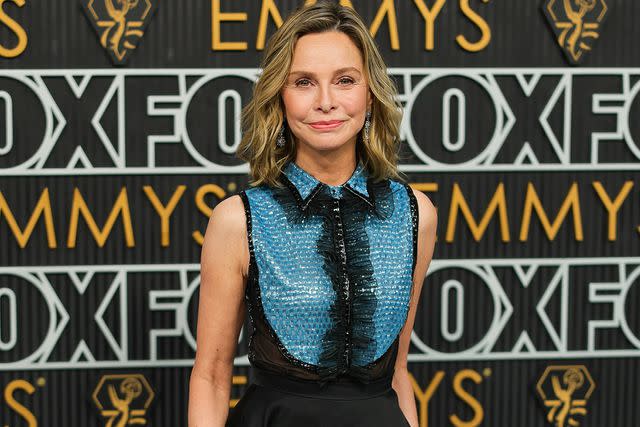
x=118, y=127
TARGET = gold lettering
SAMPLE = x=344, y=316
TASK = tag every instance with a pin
x=467, y=374
x=425, y=397
x=42, y=207
x=202, y=206
x=268, y=9
x=612, y=207
x=458, y=202
x=17, y=406
x=387, y=8
x=20, y=33
x=217, y=17
x=164, y=211
x=484, y=28
x=121, y=207
x=429, y=16
x=572, y=202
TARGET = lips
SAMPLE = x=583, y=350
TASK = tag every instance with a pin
x=330, y=124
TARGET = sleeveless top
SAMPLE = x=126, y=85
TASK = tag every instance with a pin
x=330, y=274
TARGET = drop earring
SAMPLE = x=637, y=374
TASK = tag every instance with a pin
x=280, y=141
x=367, y=126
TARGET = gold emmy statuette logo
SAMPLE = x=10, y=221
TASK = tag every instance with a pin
x=565, y=391
x=576, y=24
x=123, y=399
x=120, y=24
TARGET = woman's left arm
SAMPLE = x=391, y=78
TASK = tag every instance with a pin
x=427, y=223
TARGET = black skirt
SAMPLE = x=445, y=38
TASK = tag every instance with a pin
x=277, y=401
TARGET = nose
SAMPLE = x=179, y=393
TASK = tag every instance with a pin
x=326, y=101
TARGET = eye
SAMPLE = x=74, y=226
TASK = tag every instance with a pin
x=346, y=80
x=303, y=82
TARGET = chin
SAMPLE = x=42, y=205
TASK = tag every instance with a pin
x=325, y=147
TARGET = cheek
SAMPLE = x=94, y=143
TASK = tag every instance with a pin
x=355, y=101
x=297, y=104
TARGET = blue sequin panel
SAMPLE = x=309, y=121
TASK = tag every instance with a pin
x=391, y=254
x=296, y=293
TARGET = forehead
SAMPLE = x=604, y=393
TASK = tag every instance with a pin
x=327, y=50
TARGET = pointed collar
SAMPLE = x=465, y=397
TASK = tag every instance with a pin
x=308, y=186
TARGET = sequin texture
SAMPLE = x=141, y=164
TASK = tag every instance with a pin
x=331, y=270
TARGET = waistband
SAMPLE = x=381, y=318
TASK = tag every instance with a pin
x=342, y=388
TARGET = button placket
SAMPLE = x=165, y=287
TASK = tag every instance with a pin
x=345, y=289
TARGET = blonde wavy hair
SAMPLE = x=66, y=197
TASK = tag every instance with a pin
x=263, y=116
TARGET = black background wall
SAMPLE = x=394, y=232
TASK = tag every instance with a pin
x=112, y=157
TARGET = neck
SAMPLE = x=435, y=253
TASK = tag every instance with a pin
x=332, y=169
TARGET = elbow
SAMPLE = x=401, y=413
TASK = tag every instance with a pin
x=217, y=374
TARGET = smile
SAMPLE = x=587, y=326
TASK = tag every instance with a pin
x=326, y=125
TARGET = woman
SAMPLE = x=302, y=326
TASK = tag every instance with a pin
x=328, y=249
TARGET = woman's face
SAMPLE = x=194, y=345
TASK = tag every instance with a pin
x=326, y=95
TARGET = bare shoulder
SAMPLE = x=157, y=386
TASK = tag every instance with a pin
x=230, y=213
x=427, y=212
x=227, y=219
x=227, y=232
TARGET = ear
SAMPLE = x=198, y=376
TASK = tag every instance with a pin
x=369, y=99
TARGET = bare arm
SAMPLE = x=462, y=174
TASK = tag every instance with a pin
x=224, y=265
x=426, y=241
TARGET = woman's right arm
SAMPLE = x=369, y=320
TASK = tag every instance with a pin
x=221, y=311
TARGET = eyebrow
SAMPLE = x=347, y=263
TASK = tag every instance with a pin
x=338, y=71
